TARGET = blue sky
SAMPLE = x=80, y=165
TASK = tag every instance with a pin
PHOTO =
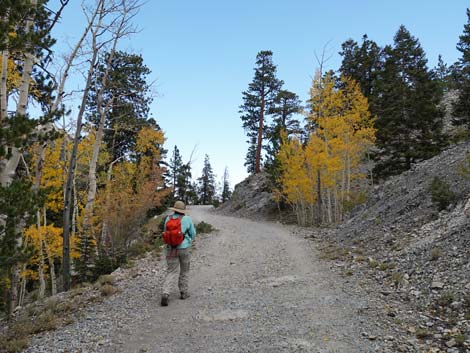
x=202, y=55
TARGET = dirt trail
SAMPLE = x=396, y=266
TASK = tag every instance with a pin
x=255, y=287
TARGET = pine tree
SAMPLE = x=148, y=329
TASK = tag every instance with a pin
x=409, y=124
x=183, y=183
x=84, y=265
x=257, y=101
x=127, y=100
x=206, y=183
x=363, y=64
x=226, y=193
x=250, y=159
x=24, y=36
x=285, y=106
x=443, y=75
x=461, y=109
x=174, y=169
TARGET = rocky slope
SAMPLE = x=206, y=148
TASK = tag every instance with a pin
x=419, y=257
x=400, y=246
x=252, y=198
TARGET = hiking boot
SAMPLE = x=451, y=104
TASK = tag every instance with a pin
x=184, y=295
x=164, y=301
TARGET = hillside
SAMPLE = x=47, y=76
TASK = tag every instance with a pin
x=252, y=198
x=416, y=256
x=401, y=246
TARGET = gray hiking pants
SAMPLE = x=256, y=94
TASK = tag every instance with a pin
x=177, y=259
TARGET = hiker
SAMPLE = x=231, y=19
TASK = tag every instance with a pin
x=178, y=234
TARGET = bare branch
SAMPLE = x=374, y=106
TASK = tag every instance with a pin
x=63, y=3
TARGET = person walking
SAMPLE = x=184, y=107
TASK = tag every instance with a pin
x=178, y=234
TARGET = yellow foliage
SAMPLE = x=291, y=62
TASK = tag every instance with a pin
x=49, y=238
x=149, y=140
x=13, y=75
x=342, y=132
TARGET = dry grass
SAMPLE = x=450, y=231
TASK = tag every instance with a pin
x=13, y=345
x=106, y=279
x=52, y=313
x=436, y=253
x=333, y=252
x=423, y=333
x=16, y=338
x=108, y=290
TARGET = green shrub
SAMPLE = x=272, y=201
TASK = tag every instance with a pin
x=446, y=299
x=423, y=333
x=204, y=228
x=397, y=278
x=464, y=167
x=103, y=266
x=436, y=253
x=138, y=249
x=466, y=301
x=460, y=340
x=441, y=194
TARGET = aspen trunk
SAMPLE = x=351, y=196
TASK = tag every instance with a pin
x=3, y=86
x=329, y=205
x=319, y=197
x=42, y=282
x=100, y=13
x=53, y=275
x=104, y=231
x=50, y=260
x=343, y=180
x=102, y=110
x=23, y=283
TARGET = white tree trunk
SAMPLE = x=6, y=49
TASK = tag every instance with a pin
x=102, y=110
x=3, y=86
x=42, y=282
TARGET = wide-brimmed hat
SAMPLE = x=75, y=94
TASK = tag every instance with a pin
x=179, y=207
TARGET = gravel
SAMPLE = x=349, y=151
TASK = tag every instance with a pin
x=255, y=287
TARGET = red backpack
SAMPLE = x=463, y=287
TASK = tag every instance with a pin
x=173, y=235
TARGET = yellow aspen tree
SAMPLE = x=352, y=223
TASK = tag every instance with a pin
x=341, y=132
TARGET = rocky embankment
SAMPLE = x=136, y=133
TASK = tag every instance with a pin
x=414, y=255
x=401, y=247
x=252, y=198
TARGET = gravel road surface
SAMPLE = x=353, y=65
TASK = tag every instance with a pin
x=255, y=287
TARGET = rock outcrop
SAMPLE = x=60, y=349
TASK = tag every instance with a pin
x=252, y=198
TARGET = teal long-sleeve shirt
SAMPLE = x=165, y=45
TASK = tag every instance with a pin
x=188, y=229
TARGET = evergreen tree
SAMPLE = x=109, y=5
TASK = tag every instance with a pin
x=84, y=265
x=183, y=183
x=443, y=75
x=127, y=98
x=363, y=64
x=250, y=159
x=24, y=38
x=409, y=124
x=285, y=106
x=461, y=109
x=174, y=169
x=17, y=205
x=257, y=101
x=206, y=183
x=226, y=193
